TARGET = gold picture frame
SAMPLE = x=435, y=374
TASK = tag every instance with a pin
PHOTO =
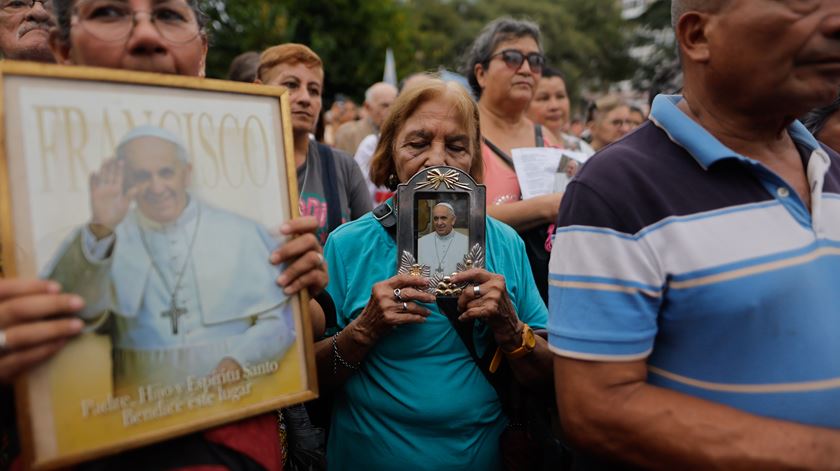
x=99, y=395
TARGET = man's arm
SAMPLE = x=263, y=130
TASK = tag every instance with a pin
x=608, y=409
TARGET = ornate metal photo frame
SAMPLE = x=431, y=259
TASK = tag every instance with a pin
x=441, y=227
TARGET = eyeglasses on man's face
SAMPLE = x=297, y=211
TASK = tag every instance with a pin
x=112, y=20
x=18, y=6
x=617, y=123
x=514, y=58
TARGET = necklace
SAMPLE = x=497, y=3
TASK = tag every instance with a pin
x=174, y=312
x=439, y=268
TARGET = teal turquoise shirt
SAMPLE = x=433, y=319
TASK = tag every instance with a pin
x=419, y=401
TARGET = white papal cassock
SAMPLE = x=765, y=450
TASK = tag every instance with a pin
x=442, y=253
x=234, y=307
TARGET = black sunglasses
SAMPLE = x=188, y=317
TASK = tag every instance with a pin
x=514, y=59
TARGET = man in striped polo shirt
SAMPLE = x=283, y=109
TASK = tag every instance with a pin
x=695, y=274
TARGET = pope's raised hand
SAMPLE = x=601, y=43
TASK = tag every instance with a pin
x=109, y=200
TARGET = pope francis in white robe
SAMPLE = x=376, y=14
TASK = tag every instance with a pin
x=181, y=286
x=442, y=249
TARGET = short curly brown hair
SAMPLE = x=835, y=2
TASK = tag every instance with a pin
x=289, y=53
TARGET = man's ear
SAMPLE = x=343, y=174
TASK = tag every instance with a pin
x=692, y=36
x=60, y=48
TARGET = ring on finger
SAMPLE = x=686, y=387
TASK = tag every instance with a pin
x=476, y=291
x=3, y=342
x=321, y=261
x=397, y=293
x=405, y=307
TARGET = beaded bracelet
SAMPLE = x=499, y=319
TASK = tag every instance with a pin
x=337, y=358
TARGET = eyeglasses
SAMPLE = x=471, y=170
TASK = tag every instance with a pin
x=617, y=123
x=114, y=20
x=17, y=6
x=514, y=59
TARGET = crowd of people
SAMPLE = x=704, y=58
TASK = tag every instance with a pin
x=673, y=308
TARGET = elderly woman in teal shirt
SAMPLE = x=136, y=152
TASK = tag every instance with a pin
x=408, y=393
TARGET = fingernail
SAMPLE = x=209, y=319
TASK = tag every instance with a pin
x=274, y=259
x=281, y=280
x=77, y=324
x=285, y=228
x=53, y=287
x=288, y=290
x=76, y=302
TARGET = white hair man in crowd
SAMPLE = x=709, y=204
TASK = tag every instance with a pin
x=378, y=99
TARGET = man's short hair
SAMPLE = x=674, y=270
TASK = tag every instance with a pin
x=289, y=53
x=600, y=107
x=158, y=133
x=680, y=7
x=372, y=89
x=447, y=206
x=243, y=68
x=498, y=31
x=64, y=11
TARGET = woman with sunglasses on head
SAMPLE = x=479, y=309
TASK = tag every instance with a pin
x=503, y=67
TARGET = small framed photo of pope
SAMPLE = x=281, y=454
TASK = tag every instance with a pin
x=440, y=228
x=158, y=200
x=443, y=232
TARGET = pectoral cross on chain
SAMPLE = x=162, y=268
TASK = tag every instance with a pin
x=174, y=313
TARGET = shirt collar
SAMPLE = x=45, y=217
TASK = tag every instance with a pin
x=187, y=215
x=695, y=139
x=447, y=236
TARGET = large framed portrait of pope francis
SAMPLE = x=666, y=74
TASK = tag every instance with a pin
x=158, y=199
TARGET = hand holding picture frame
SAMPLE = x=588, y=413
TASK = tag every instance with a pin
x=158, y=200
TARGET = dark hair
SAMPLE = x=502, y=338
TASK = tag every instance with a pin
x=551, y=72
x=497, y=31
x=243, y=68
x=816, y=118
x=63, y=10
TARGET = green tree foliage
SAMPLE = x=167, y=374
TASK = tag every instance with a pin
x=586, y=40
x=659, y=69
x=351, y=36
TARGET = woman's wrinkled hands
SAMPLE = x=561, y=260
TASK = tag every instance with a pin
x=303, y=255
x=486, y=299
x=385, y=310
x=34, y=323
